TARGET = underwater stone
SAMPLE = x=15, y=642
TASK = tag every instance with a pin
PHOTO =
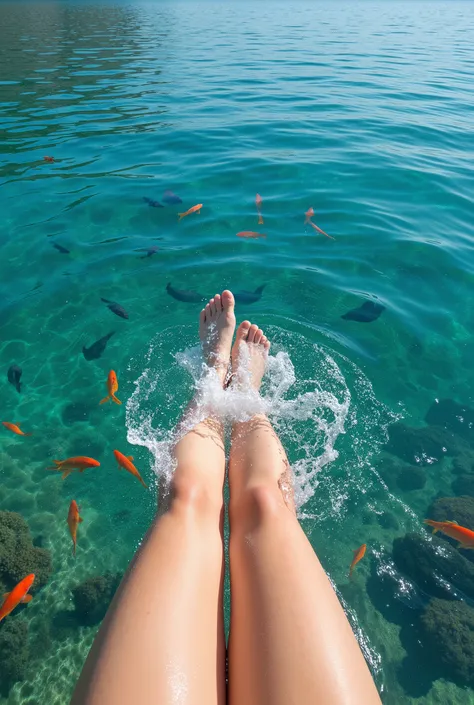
x=76, y=411
x=458, y=509
x=464, y=485
x=411, y=477
x=447, y=629
x=18, y=555
x=422, y=446
x=423, y=560
x=463, y=463
x=452, y=416
x=387, y=520
x=14, y=653
x=93, y=597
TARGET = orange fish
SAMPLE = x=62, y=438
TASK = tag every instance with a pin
x=250, y=235
x=112, y=387
x=50, y=160
x=321, y=231
x=79, y=463
x=359, y=553
x=194, y=209
x=309, y=214
x=456, y=532
x=17, y=595
x=15, y=428
x=258, y=203
x=73, y=520
x=125, y=461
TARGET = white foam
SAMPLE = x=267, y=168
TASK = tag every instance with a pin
x=304, y=393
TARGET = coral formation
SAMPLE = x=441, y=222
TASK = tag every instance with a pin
x=458, y=509
x=448, y=631
x=18, y=555
x=13, y=653
x=93, y=596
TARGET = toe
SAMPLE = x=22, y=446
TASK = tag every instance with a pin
x=252, y=331
x=266, y=343
x=207, y=313
x=258, y=336
x=228, y=301
x=212, y=307
x=202, y=317
x=218, y=302
x=242, y=332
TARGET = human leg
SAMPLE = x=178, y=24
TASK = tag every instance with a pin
x=162, y=640
x=290, y=641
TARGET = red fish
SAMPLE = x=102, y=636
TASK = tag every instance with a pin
x=359, y=553
x=454, y=531
x=17, y=595
x=15, y=428
x=50, y=160
x=125, y=461
x=309, y=214
x=248, y=234
x=258, y=203
x=73, y=521
x=112, y=387
x=79, y=463
x=194, y=209
x=321, y=231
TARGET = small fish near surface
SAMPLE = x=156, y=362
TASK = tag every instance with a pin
x=112, y=387
x=170, y=198
x=366, y=313
x=16, y=596
x=79, y=463
x=359, y=553
x=249, y=297
x=60, y=248
x=150, y=251
x=194, y=209
x=50, y=160
x=96, y=349
x=125, y=462
x=15, y=428
x=14, y=375
x=73, y=521
x=250, y=235
x=152, y=203
x=189, y=297
x=309, y=214
x=458, y=533
x=258, y=203
x=115, y=308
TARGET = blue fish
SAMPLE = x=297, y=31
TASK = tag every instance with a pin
x=151, y=202
x=366, y=313
x=171, y=198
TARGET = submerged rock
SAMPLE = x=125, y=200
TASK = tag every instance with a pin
x=458, y=509
x=14, y=653
x=18, y=555
x=464, y=485
x=411, y=477
x=463, y=463
x=422, y=446
x=93, y=597
x=452, y=416
x=434, y=565
x=447, y=630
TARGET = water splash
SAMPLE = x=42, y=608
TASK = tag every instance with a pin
x=304, y=393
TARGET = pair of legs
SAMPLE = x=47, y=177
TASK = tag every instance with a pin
x=162, y=641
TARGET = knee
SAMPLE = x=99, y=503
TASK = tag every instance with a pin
x=255, y=506
x=192, y=496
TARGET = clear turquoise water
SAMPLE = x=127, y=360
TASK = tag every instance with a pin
x=363, y=111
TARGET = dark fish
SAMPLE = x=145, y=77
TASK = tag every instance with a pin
x=60, y=248
x=150, y=251
x=366, y=313
x=96, y=349
x=184, y=295
x=249, y=297
x=151, y=202
x=171, y=198
x=14, y=375
x=115, y=308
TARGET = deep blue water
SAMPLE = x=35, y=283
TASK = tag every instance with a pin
x=363, y=111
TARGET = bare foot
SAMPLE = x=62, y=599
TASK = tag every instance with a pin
x=216, y=330
x=251, y=351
